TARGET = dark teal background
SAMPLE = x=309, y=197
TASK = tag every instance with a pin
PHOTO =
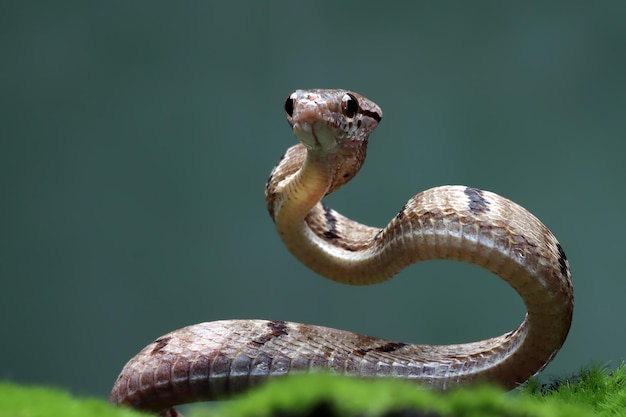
x=136, y=138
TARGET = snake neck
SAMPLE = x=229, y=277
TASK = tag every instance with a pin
x=297, y=194
x=311, y=231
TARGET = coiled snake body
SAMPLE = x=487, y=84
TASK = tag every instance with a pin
x=212, y=360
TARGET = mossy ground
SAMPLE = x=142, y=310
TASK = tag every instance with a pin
x=23, y=401
x=593, y=392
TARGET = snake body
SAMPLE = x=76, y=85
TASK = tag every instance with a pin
x=215, y=359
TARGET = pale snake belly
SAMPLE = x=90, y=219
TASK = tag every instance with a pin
x=215, y=359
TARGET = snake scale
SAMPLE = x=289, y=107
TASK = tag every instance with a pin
x=216, y=359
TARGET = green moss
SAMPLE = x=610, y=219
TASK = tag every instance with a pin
x=313, y=395
x=595, y=392
x=598, y=388
x=22, y=401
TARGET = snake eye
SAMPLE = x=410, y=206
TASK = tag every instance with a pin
x=349, y=105
x=289, y=103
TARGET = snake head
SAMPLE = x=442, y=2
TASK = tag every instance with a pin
x=331, y=121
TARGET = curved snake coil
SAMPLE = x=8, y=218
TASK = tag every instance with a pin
x=213, y=360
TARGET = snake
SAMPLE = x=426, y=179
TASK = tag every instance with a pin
x=214, y=360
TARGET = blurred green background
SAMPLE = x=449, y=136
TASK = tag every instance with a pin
x=137, y=138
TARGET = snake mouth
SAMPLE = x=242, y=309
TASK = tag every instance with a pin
x=312, y=122
x=305, y=132
x=316, y=135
